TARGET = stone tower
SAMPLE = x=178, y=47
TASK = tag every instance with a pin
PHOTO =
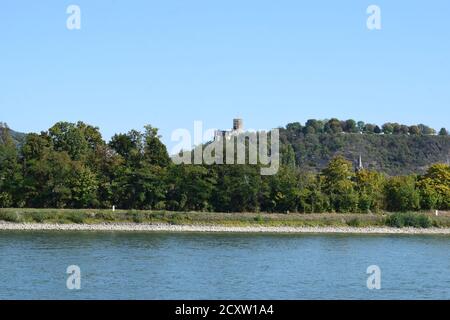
x=238, y=125
x=238, y=128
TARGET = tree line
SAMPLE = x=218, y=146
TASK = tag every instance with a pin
x=71, y=166
x=334, y=126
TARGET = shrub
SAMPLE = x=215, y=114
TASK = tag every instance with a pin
x=106, y=215
x=424, y=221
x=5, y=200
x=161, y=205
x=38, y=216
x=259, y=219
x=76, y=217
x=10, y=216
x=400, y=220
x=137, y=217
x=355, y=222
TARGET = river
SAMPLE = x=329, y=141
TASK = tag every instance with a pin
x=123, y=265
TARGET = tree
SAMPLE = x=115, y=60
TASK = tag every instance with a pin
x=155, y=151
x=339, y=185
x=370, y=185
x=190, y=187
x=443, y=132
x=129, y=146
x=284, y=191
x=312, y=197
x=107, y=165
x=414, y=130
x=83, y=185
x=309, y=130
x=35, y=146
x=294, y=127
x=10, y=170
x=388, y=128
x=47, y=180
x=313, y=126
x=377, y=130
x=369, y=128
x=68, y=137
x=288, y=155
x=401, y=194
x=338, y=169
x=350, y=126
x=140, y=188
x=426, y=130
x=434, y=187
x=91, y=134
x=404, y=129
x=396, y=128
x=333, y=126
x=238, y=190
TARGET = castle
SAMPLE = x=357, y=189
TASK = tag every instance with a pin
x=238, y=128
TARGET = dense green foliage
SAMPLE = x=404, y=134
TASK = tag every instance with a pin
x=393, y=148
x=408, y=219
x=71, y=166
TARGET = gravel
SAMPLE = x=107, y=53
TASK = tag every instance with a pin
x=211, y=228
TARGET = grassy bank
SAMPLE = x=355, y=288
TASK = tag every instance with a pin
x=418, y=220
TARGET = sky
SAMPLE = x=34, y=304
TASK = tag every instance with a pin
x=169, y=63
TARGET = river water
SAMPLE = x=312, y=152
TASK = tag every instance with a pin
x=121, y=265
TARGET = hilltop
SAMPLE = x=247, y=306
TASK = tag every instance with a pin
x=391, y=154
x=393, y=148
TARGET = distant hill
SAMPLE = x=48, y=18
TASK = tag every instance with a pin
x=18, y=137
x=394, y=154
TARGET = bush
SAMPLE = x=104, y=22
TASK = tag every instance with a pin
x=137, y=217
x=5, y=200
x=76, y=217
x=38, y=216
x=401, y=220
x=355, y=222
x=259, y=219
x=161, y=205
x=10, y=216
x=106, y=215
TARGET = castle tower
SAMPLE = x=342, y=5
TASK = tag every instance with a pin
x=238, y=128
x=238, y=125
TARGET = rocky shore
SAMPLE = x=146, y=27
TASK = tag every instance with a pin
x=131, y=227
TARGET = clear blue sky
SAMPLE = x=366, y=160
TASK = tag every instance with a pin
x=169, y=63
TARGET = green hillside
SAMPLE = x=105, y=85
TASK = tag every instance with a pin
x=18, y=137
x=394, y=154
